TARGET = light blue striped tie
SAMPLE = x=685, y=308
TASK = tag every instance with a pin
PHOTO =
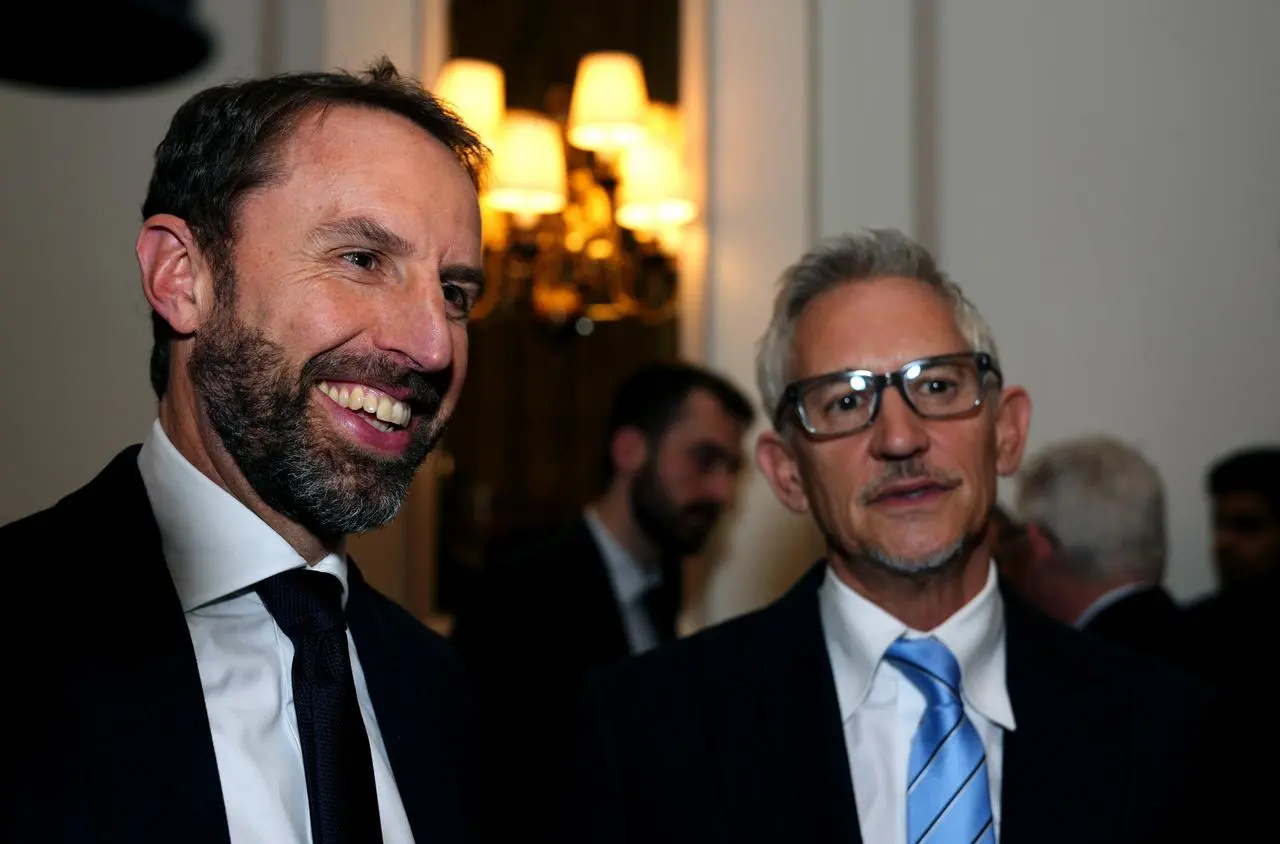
x=948, y=797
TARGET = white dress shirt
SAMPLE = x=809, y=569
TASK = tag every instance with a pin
x=630, y=582
x=216, y=548
x=881, y=708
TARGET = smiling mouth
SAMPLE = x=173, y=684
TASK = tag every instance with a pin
x=381, y=411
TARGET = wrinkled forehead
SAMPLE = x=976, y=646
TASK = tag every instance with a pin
x=879, y=325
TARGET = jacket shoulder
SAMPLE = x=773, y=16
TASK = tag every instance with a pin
x=410, y=632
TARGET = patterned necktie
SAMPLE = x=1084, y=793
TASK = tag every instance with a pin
x=335, y=747
x=948, y=797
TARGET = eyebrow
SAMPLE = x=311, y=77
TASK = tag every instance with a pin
x=718, y=452
x=365, y=230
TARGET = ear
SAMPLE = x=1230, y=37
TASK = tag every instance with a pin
x=175, y=278
x=1013, y=420
x=629, y=450
x=778, y=464
x=1041, y=541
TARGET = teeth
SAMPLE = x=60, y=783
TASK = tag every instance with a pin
x=388, y=413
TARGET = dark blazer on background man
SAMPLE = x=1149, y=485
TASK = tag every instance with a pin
x=1236, y=629
x=541, y=620
x=1150, y=622
x=734, y=735
x=108, y=738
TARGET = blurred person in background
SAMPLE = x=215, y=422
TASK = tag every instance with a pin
x=1238, y=621
x=604, y=588
x=1093, y=514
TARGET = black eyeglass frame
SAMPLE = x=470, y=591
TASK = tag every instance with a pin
x=790, y=400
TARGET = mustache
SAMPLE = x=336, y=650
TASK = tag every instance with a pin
x=426, y=390
x=912, y=469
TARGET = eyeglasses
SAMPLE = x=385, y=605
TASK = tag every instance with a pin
x=840, y=403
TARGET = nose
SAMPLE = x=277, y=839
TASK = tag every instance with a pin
x=414, y=323
x=898, y=433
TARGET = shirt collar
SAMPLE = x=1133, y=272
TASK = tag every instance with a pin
x=630, y=579
x=858, y=632
x=214, y=545
x=1108, y=599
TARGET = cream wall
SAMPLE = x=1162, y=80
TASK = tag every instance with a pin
x=74, y=328
x=1108, y=185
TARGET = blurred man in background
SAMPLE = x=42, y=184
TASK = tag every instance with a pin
x=607, y=586
x=1238, y=621
x=1093, y=515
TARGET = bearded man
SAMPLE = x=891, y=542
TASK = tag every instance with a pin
x=208, y=665
x=603, y=589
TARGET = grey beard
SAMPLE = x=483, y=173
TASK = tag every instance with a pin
x=936, y=562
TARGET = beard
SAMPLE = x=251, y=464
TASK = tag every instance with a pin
x=937, y=562
x=260, y=407
x=676, y=530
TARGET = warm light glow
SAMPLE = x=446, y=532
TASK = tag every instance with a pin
x=652, y=185
x=529, y=175
x=665, y=122
x=609, y=104
x=476, y=90
x=555, y=302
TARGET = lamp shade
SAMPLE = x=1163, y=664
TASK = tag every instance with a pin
x=529, y=175
x=608, y=109
x=653, y=194
x=477, y=92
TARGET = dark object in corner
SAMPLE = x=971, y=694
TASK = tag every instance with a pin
x=105, y=45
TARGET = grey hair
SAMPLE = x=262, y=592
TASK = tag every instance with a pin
x=1104, y=502
x=861, y=256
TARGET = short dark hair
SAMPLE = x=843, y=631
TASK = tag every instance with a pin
x=651, y=397
x=1255, y=470
x=225, y=142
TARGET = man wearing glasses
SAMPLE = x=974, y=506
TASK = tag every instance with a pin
x=898, y=693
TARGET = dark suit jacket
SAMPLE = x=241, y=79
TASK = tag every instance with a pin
x=108, y=737
x=1151, y=623
x=540, y=622
x=734, y=735
x=1236, y=629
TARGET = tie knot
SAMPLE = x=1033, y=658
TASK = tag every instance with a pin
x=930, y=666
x=303, y=602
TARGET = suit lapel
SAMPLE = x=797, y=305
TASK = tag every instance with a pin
x=141, y=710
x=602, y=625
x=796, y=783
x=412, y=714
x=1059, y=762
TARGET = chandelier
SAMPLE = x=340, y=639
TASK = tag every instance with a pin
x=582, y=208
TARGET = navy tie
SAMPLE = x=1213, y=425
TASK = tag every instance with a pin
x=948, y=796
x=341, y=794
